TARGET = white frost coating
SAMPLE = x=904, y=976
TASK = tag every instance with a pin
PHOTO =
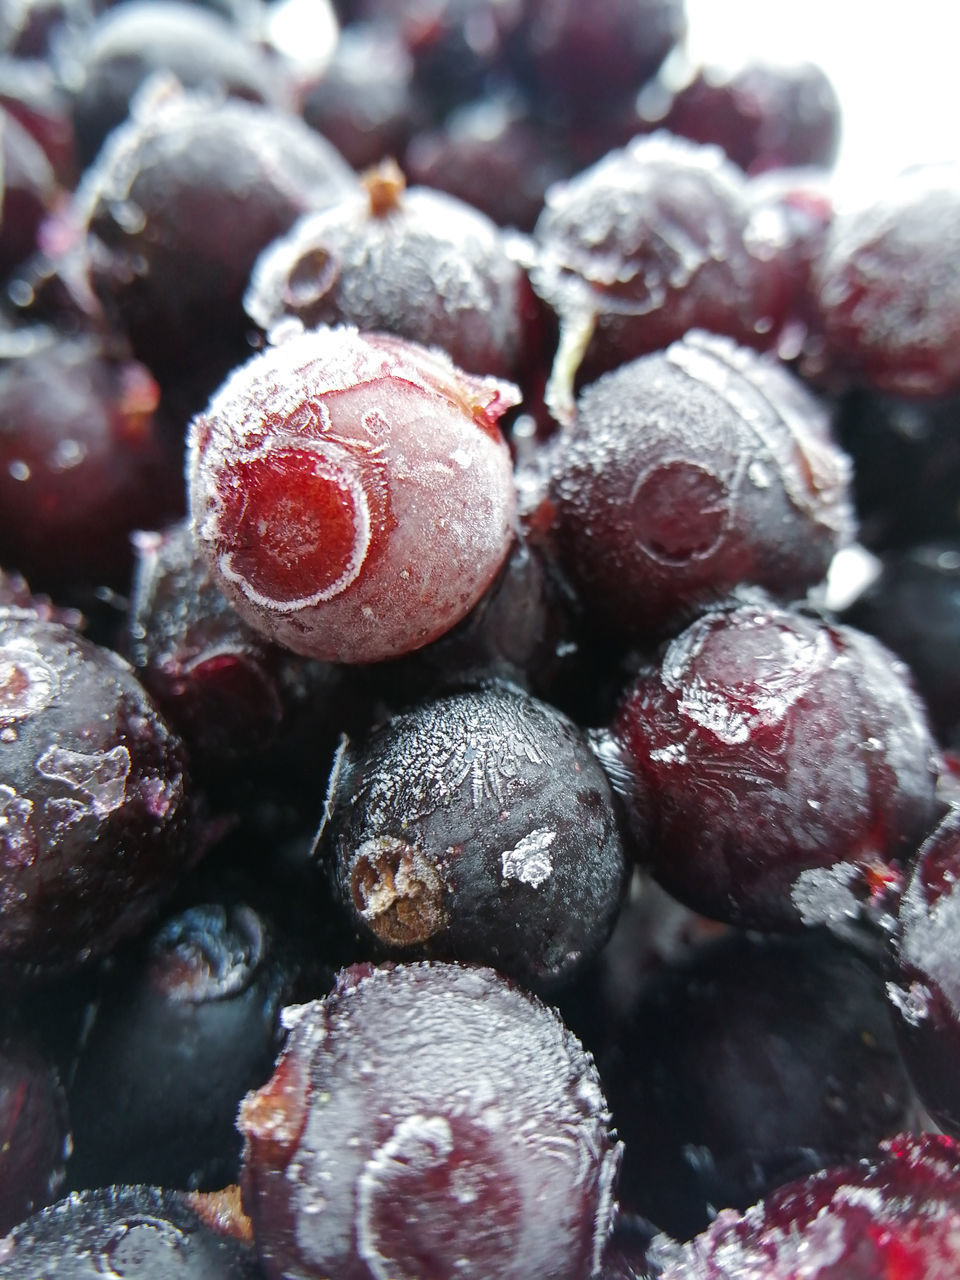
x=529, y=860
x=27, y=682
x=340, y=472
x=447, y=745
x=672, y=753
x=418, y=1143
x=786, y=426
x=822, y=895
x=929, y=937
x=774, y=685
x=100, y=776
x=18, y=844
x=913, y=1004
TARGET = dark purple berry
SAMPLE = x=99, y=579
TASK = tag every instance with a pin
x=494, y=155
x=429, y=1121
x=583, y=60
x=478, y=827
x=364, y=102
x=646, y=244
x=764, y=115
x=924, y=991
x=784, y=767
x=913, y=606
x=34, y=1141
x=896, y=1216
x=889, y=303
x=751, y=1064
x=418, y=264
x=181, y=1032
x=131, y=42
x=93, y=799
x=688, y=472
x=82, y=459
x=139, y=1233
x=180, y=203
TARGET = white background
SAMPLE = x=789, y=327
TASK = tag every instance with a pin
x=895, y=65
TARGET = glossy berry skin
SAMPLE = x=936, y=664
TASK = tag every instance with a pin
x=182, y=1031
x=924, y=988
x=763, y=115
x=415, y=263
x=33, y=1131
x=752, y=1063
x=688, y=472
x=82, y=459
x=352, y=494
x=914, y=608
x=478, y=827
x=896, y=1215
x=888, y=303
x=140, y=1233
x=93, y=799
x=130, y=42
x=179, y=204
x=646, y=244
x=787, y=765
x=429, y=1120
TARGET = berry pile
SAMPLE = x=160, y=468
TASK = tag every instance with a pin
x=456, y=817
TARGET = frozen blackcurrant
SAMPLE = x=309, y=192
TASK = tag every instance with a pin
x=480, y=827
x=429, y=1121
x=353, y=493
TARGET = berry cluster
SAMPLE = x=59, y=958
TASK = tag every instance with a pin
x=455, y=820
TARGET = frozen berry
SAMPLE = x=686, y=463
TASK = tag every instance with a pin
x=139, y=1233
x=181, y=1032
x=418, y=264
x=493, y=154
x=913, y=606
x=365, y=102
x=28, y=191
x=924, y=991
x=82, y=460
x=755, y=1062
x=130, y=42
x=690, y=471
x=93, y=799
x=897, y=1215
x=479, y=827
x=353, y=493
x=787, y=764
x=581, y=60
x=764, y=115
x=429, y=1121
x=179, y=204
x=644, y=245
x=889, y=302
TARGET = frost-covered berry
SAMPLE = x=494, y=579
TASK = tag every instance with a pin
x=429, y=1121
x=93, y=798
x=786, y=764
x=353, y=493
x=416, y=263
x=688, y=472
x=479, y=827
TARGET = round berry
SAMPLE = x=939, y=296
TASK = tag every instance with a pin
x=429, y=1121
x=784, y=767
x=353, y=493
